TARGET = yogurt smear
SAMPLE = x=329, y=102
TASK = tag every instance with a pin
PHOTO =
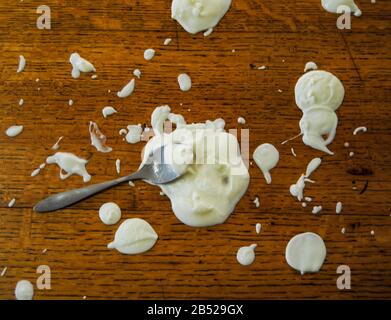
x=13, y=131
x=70, y=164
x=98, y=139
x=79, y=65
x=246, y=255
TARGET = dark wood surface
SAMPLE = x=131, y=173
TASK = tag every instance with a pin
x=190, y=263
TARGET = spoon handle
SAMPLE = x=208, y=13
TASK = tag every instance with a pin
x=67, y=198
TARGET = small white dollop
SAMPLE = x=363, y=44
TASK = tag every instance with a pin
x=306, y=252
x=351, y=154
x=336, y=6
x=293, y=152
x=13, y=131
x=258, y=228
x=360, y=129
x=241, y=120
x=24, y=290
x=21, y=102
x=246, y=255
x=262, y=68
x=137, y=73
x=308, y=199
x=184, y=82
x=2, y=274
x=108, y=111
x=134, y=236
x=79, y=65
x=11, y=203
x=71, y=164
x=118, y=166
x=134, y=134
x=22, y=64
x=149, y=54
x=131, y=183
x=346, y=144
x=256, y=202
x=343, y=230
x=266, y=156
x=98, y=139
x=310, y=66
x=127, y=90
x=312, y=166
x=70, y=102
x=316, y=209
x=110, y=213
x=42, y=165
x=167, y=41
x=304, y=204
x=373, y=232
x=94, y=76
x=338, y=208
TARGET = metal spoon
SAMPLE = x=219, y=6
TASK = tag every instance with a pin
x=154, y=170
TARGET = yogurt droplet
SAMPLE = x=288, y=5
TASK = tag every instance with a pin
x=56, y=146
x=22, y=64
x=11, y=203
x=134, y=134
x=258, y=228
x=246, y=255
x=306, y=252
x=127, y=90
x=316, y=209
x=13, y=131
x=241, y=120
x=149, y=54
x=79, y=65
x=71, y=164
x=118, y=166
x=21, y=102
x=137, y=73
x=167, y=41
x=134, y=236
x=108, y=111
x=359, y=129
x=110, y=213
x=24, y=290
x=98, y=139
x=184, y=82
x=310, y=66
x=312, y=166
x=338, y=208
x=266, y=156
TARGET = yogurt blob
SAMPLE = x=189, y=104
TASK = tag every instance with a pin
x=336, y=6
x=266, y=156
x=134, y=236
x=24, y=290
x=215, y=177
x=199, y=15
x=246, y=255
x=306, y=252
x=110, y=213
x=71, y=164
x=319, y=94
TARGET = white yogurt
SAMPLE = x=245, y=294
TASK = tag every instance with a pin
x=110, y=213
x=21, y=102
x=199, y=15
x=71, y=164
x=108, y=111
x=127, y=90
x=316, y=209
x=359, y=129
x=319, y=94
x=56, y=146
x=149, y=54
x=333, y=5
x=22, y=64
x=167, y=41
x=241, y=120
x=134, y=236
x=266, y=156
x=246, y=255
x=213, y=183
x=134, y=134
x=24, y=290
x=306, y=252
x=184, y=82
x=257, y=202
x=338, y=208
x=13, y=131
x=79, y=65
x=98, y=139
x=208, y=32
x=118, y=166
x=11, y=203
x=137, y=73
x=310, y=66
x=258, y=228
x=312, y=166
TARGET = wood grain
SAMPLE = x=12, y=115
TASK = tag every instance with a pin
x=194, y=263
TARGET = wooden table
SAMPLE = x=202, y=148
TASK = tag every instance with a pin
x=190, y=263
